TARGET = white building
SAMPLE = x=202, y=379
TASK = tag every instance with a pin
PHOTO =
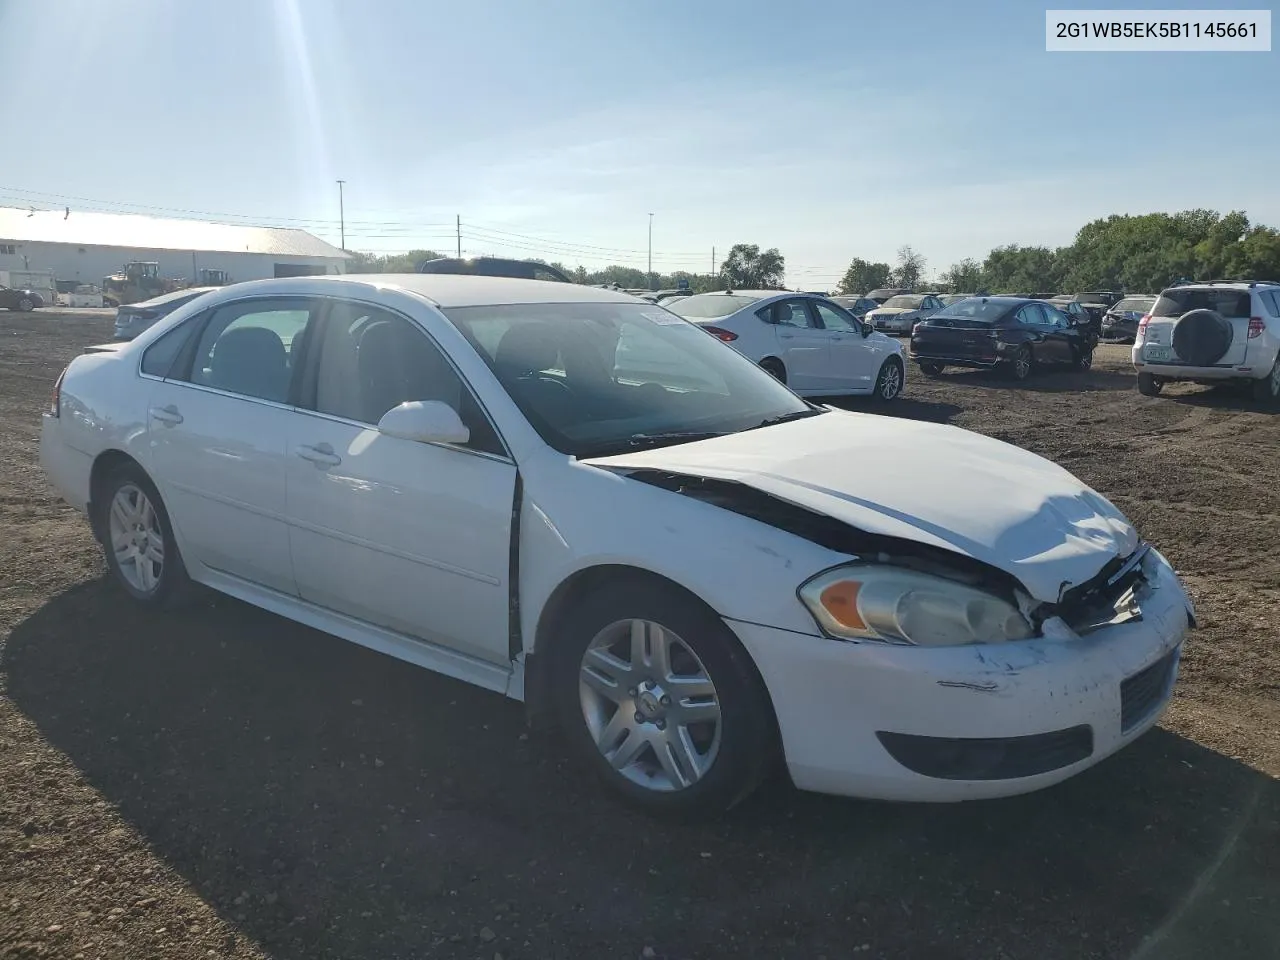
x=85, y=247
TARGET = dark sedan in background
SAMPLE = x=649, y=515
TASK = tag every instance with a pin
x=1078, y=313
x=1012, y=333
x=23, y=300
x=1121, y=321
x=133, y=318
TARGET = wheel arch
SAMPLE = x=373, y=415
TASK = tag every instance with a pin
x=104, y=464
x=774, y=360
x=537, y=697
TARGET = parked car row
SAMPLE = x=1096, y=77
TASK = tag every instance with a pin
x=576, y=499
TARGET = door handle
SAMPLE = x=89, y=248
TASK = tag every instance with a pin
x=321, y=455
x=169, y=415
x=786, y=336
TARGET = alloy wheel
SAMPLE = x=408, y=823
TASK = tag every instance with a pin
x=650, y=705
x=1022, y=363
x=890, y=381
x=136, y=538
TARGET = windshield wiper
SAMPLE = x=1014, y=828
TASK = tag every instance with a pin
x=788, y=417
x=646, y=441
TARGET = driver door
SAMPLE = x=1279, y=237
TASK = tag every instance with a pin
x=856, y=359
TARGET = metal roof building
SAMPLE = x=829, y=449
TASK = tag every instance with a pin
x=84, y=246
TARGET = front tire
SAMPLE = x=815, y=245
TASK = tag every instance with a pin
x=1083, y=360
x=656, y=694
x=138, y=539
x=26, y=305
x=1149, y=385
x=889, y=382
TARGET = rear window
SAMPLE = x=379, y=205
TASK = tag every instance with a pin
x=708, y=306
x=1176, y=302
x=1133, y=305
x=910, y=303
x=976, y=309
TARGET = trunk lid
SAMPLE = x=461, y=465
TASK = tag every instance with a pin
x=955, y=337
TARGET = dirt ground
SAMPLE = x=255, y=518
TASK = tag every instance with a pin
x=226, y=783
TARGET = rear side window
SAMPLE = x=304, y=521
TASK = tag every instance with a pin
x=1233, y=304
x=159, y=358
x=248, y=348
x=709, y=306
x=1272, y=300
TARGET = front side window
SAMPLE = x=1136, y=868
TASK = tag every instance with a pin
x=835, y=319
x=370, y=361
x=248, y=348
x=601, y=378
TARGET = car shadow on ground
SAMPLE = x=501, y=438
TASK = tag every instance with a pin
x=328, y=801
x=1226, y=397
x=1047, y=380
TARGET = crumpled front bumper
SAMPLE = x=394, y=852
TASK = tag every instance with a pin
x=835, y=701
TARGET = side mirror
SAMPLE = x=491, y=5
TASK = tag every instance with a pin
x=424, y=421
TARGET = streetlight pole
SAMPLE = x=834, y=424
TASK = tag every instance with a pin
x=342, y=217
x=651, y=251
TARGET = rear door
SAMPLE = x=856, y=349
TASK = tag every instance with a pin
x=218, y=427
x=855, y=359
x=805, y=346
x=1045, y=346
x=1231, y=303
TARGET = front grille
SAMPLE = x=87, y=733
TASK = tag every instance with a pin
x=1143, y=693
x=989, y=758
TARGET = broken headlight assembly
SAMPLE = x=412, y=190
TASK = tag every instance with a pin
x=897, y=605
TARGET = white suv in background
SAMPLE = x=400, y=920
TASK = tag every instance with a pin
x=1210, y=333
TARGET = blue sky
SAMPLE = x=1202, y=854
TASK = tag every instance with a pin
x=828, y=129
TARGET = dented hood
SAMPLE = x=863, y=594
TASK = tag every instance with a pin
x=936, y=485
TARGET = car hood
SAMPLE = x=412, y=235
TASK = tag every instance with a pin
x=936, y=485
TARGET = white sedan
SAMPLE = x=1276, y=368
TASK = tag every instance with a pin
x=814, y=346
x=898, y=314
x=691, y=568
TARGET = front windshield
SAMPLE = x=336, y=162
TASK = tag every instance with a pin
x=710, y=306
x=601, y=378
x=905, y=301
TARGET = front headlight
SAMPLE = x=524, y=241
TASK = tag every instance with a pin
x=896, y=605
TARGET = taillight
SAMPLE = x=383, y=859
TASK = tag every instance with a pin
x=1255, y=327
x=56, y=402
x=1142, y=326
x=728, y=336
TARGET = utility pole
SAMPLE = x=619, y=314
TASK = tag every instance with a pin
x=713, y=261
x=459, y=217
x=342, y=217
x=651, y=251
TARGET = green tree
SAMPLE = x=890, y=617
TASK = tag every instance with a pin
x=1015, y=269
x=863, y=276
x=963, y=277
x=747, y=268
x=390, y=263
x=1256, y=257
x=910, y=268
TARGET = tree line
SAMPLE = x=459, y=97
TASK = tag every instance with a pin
x=1136, y=254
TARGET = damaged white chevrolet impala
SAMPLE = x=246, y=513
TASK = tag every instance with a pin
x=584, y=502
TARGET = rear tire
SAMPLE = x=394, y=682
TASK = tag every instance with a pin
x=1083, y=360
x=26, y=305
x=1267, y=390
x=774, y=367
x=1020, y=365
x=1149, y=385
x=138, y=540
x=930, y=368
x=619, y=701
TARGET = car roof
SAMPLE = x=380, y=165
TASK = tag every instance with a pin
x=189, y=292
x=443, y=289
